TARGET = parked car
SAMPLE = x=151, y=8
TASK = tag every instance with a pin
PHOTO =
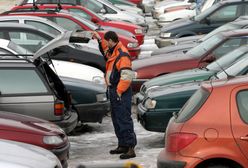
x=26, y=86
x=22, y=128
x=199, y=56
x=219, y=14
x=194, y=139
x=22, y=155
x=33, y=39
x=239, y=23
x=170, y=97
x=72, y=22
x=89, y=99
x=193, y=75
x=105, y=9
x=90, y=15
x=160, y=7
x=127, y=6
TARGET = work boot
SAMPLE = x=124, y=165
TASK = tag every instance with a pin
x=119, y=150
x=129, y=154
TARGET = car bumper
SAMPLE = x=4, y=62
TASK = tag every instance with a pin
x=93, y=112
x=134, y=53
x=62, y=154
x=174, y=160
x=163, y=42
x=154, y=120
x=69, y=123
x=163, y=163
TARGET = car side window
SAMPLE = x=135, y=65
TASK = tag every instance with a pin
x=9, y=21
x=92, y=5
x=66, y=23
x=242, y=99
x=43, y=26
x=21, y=81
x=81, y=13
x=227, y=46
x=227, y=13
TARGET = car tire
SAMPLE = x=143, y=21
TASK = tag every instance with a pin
x=218, y=166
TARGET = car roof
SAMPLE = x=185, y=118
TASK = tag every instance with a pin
x=230, y=82
x=238, y=32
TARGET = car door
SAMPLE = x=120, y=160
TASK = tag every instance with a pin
x=219, y=17
x=239, y=118
x=23, y=91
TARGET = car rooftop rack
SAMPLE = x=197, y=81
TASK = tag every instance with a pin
x=32, y=10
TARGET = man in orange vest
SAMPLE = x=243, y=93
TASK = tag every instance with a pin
x=118, y=78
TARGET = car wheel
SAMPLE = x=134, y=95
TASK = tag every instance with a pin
x=218, y=166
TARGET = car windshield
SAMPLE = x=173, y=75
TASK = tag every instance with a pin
x=238, y=68
x=89, y=24
x=226, y=27
x=228, y=59
x=193, y=105
x=18, y=49
x=203, y=47
x=207, y=12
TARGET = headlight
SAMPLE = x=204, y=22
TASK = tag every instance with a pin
x=52, y=140
x=98, y=80
x=150, y=104
x=101, y=97
x=132, y=45
x=138, y=31
x=165, y=35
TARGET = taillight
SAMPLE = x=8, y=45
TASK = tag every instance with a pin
x=59, y=108
x=178, y=141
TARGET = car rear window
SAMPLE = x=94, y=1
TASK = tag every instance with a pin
x=21, y=81
x=242, y=99
x=193, y=105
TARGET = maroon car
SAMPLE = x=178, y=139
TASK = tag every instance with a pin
x=197, y=57
x=35, y=131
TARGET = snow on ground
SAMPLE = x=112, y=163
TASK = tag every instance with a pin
x=93, y=145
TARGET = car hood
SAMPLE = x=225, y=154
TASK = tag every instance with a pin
x=174, y=48
x=21, y=123
x=123, y=24
x=119, y=31
x=25, y=155
x=159, y=59
x=62, y=40
x=186, y=76
x=176, y=24
x=173, y=90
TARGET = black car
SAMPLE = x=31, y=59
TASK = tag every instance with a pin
x=217, y=15
x=32, y=39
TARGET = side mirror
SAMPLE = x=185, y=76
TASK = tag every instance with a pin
x=103, y=11
x=94, y=20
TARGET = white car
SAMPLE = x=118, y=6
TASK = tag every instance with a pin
x=106, y=9
x=184, y=13
x=21, y=155
x=160, y=7
x=132, y=9
x=62, y=68
x=44, y=25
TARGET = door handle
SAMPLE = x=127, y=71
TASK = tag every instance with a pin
x=245, y=138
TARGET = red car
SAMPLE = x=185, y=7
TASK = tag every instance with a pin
x=210, y=131
x=75, y=22
x=90, y=15
x=197, y=57
x=35, y=131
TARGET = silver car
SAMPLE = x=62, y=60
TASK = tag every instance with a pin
x=32, y=88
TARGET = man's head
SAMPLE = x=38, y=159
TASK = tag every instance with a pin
x=111, y=38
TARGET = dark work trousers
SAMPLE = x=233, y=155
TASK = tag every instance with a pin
x=121, y=117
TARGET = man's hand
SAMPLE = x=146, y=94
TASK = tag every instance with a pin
x=95, y=35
